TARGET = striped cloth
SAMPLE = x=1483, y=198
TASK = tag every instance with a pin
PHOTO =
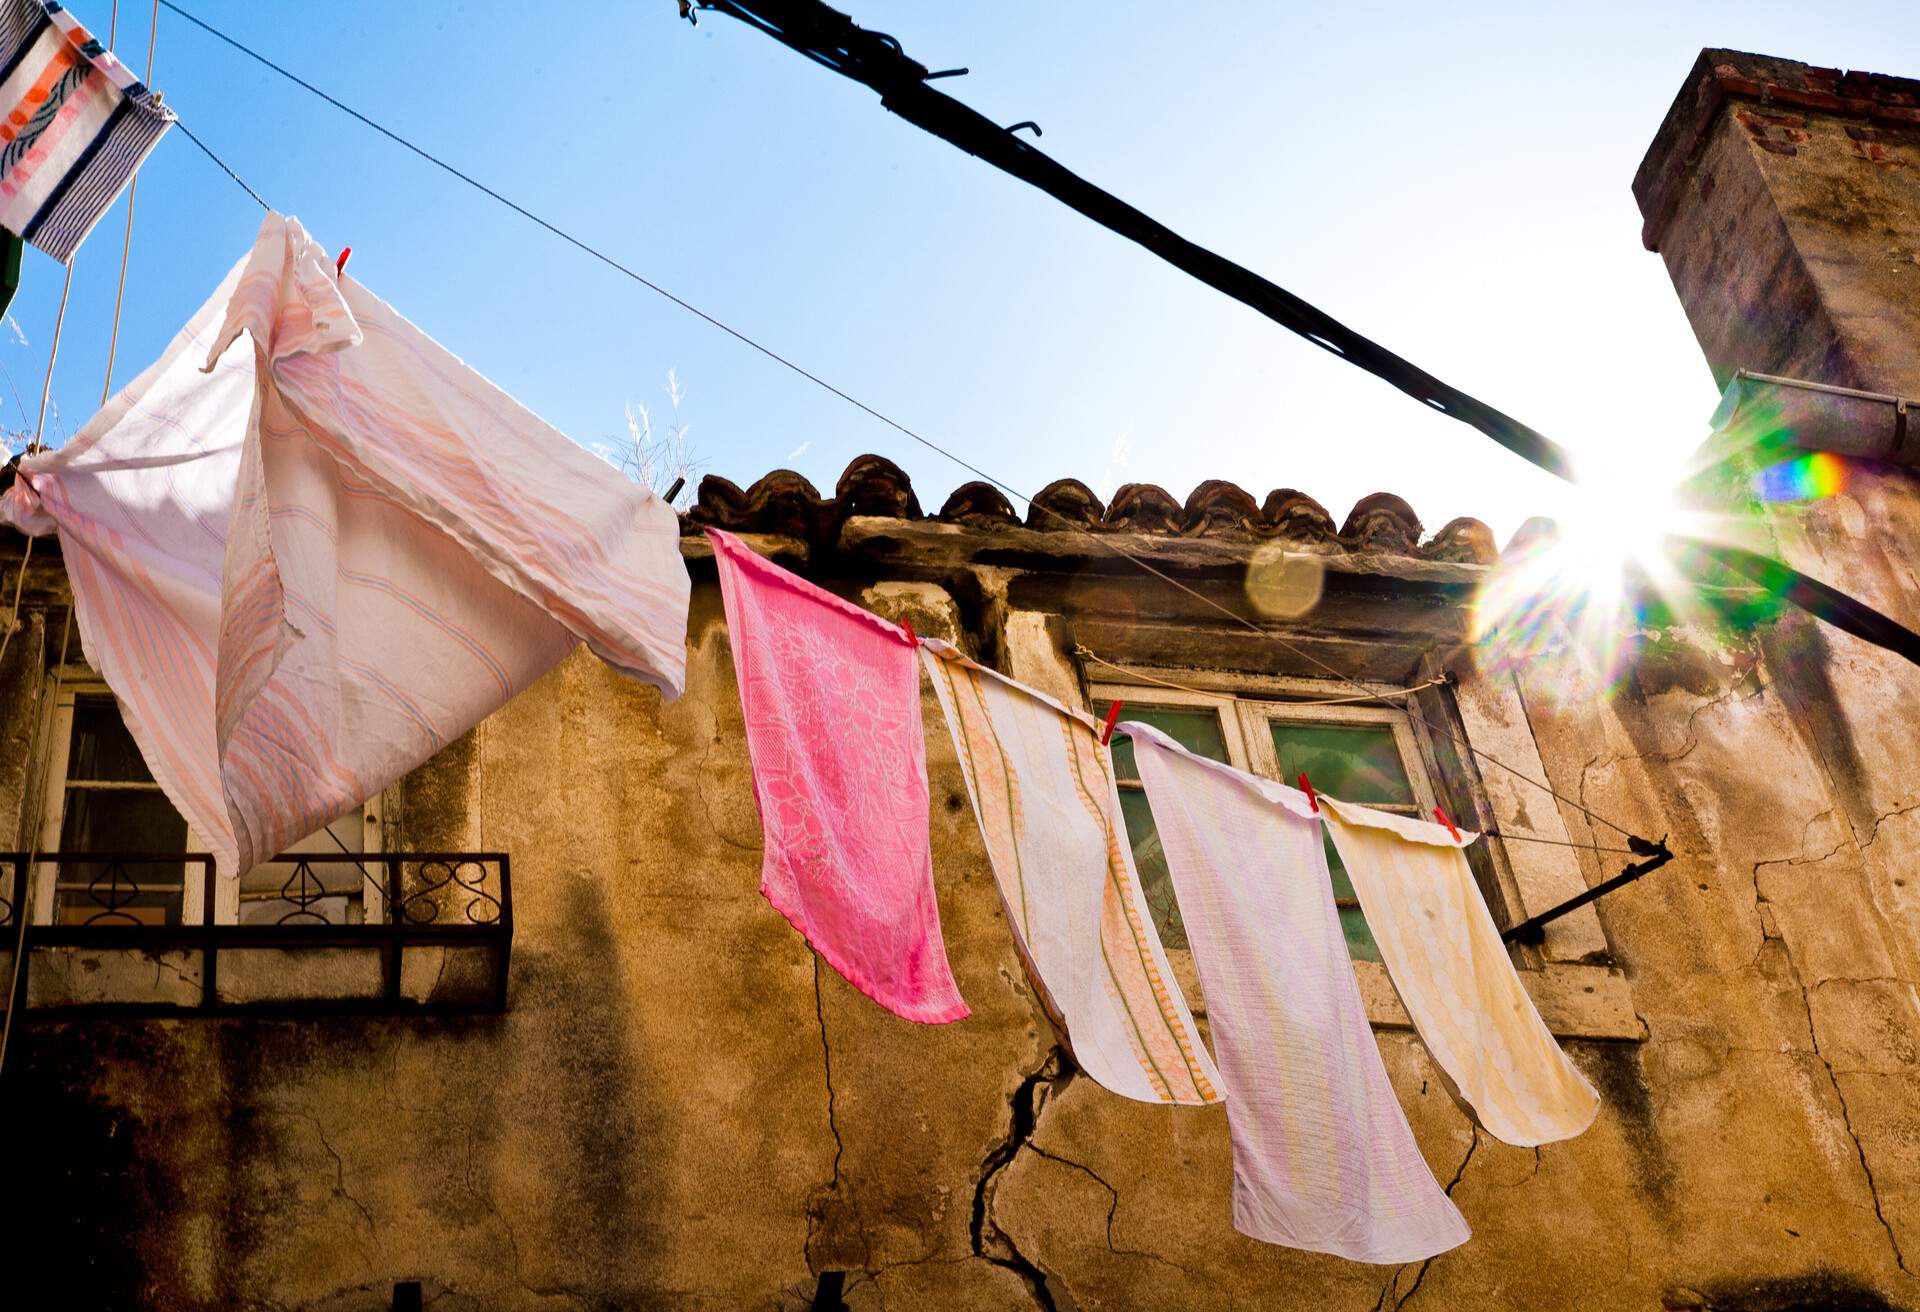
x=830, y=695
x=77, y=125
x=310, y=566
x=1322, y=1155
x=1447, y=962
x=1044, y=793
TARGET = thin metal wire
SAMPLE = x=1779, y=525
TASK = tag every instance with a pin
x=23, y=877
x=133, y=185
x=1087, y=654
x=53, y=353
x=858, y=404
x=208, y=152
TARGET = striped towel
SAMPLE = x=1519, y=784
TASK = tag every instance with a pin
x=1043, y=790
x=831, y=699
x=77, y=126
x=1322, y=1155
x=309, y=566
x=1447, y=962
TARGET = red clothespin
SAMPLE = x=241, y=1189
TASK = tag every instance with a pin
x=913, y=639
x=340, y=265
x=1441, y=816
x=1113, y=717
x=1313, y=798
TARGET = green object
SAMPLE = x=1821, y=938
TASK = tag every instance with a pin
x=1353, y=762
x=10, y=249
x=1196, y=730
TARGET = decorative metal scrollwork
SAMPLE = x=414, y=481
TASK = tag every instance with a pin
x=303, y=888
x=422, y=907
x=120, y=890
x=6, y=902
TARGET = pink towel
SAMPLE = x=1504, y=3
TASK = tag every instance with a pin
x=1322, y=1155
x=831, y=698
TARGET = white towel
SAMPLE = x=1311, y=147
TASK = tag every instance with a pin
x=1322, y=1155
x=1043, y=790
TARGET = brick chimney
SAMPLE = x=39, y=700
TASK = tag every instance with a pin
x=1785, y=200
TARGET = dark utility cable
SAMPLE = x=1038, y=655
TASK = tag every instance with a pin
x=876, y=60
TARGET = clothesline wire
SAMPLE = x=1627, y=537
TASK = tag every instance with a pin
x=1087, y=653
x=23, y=877
x=133, y=184
x=207, y=151
x=822, y=383
x=38, y=443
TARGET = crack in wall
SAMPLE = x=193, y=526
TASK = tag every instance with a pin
x=706, y=803
x=1113, y=1210
x=1806, y=1004
x=991, y=1242
x=1381, y=1304
x=506, y=1228
x=340, y=1182
x=816, y=1204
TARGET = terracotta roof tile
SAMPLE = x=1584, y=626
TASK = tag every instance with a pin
x=784, y=502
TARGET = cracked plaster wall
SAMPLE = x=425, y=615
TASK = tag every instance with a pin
x=681, y=1109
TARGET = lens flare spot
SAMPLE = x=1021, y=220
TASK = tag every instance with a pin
x=1811, y=477
x=1284, y=584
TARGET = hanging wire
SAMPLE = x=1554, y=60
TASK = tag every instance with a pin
x=854, y=401
x=207, y=151
x=23, y=877
x=126, y=242
x=37, y=444
x=1086, y=653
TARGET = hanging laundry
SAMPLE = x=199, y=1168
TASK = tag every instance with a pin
x=1444, y=955
x=78, y=124
x=1323, y=1158
x=831, y=698
x=1044, y=793
x=309, y=565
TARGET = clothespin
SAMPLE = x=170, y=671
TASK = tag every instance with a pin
x=1313, y=798
x=913, y=639
x=1441, y=816
x=340, y=265
x=1113, y=717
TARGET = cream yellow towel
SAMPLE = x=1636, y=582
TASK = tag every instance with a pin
x=1445, y=957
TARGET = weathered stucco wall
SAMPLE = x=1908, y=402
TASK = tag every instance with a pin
x=680, y=1108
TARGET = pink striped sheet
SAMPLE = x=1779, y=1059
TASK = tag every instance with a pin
x=305, y=567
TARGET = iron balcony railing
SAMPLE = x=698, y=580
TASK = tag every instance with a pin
x=436, y=934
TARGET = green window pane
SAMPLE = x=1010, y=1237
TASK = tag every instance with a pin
x=1353, y=762
x=1196, y=730
x=1360, y=944
x=1156, y=883
x=1342, y=884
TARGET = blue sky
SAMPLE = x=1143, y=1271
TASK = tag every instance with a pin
x=1450, y=180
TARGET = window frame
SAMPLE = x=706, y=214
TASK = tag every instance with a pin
x=1245, y=716
x=68, y=683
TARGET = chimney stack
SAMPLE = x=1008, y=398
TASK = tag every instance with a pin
x=1785, y=200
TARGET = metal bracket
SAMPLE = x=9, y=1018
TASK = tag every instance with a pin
x=1533, y=928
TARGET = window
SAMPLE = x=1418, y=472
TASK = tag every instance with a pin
x=1358, y=753
x=102, y=798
